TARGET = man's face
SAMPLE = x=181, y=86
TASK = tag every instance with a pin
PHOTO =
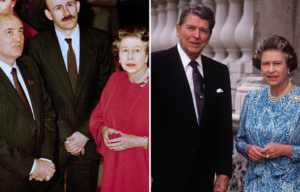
x=193, y=35
x=11, y=38
x=64, y=13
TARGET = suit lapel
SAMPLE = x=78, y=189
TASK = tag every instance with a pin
x=87, y=56
x=58, y=63
x=181, y=86
x=32, y=90
x=208, y=86
x=8, y=89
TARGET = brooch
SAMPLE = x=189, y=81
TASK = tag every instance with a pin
x=145, y=82
x=296, y=98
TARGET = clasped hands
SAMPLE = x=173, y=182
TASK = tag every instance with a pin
x=75, y=143
x=43, y=171
x=272, y=151
x=124, y=142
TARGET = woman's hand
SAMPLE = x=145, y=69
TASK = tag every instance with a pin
x=126, y=141
x=106, y=132
x=254, y=153
x=274, y=150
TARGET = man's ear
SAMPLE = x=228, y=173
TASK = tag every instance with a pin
x=78, y=6
x=48, y=14
x=177, y=29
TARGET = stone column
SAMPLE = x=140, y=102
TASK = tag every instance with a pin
x=242, y=35
x=243, y=39
x=267, y=18
x=161, y=21
x=208, y=50
x=228, y=41
x=227, y=32
x=165, y=38
x=215, y=42
x=181, y=4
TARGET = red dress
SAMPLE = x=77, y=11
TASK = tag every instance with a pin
x=124, y=106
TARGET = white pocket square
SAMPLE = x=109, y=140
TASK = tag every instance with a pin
x=219, y=91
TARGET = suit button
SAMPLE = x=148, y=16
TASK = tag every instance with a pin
x=193, y=151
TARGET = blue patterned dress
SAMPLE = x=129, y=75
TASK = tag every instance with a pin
x=263, y=122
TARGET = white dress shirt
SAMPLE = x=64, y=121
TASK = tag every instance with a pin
x=7, y=70
x=189, y=73
x=64, y=46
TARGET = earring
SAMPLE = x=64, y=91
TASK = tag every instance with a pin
x=288, y=72
x=119, y=61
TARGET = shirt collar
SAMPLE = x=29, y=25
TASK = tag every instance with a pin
x=185, y=58
x=7, y=68
x=74, y=37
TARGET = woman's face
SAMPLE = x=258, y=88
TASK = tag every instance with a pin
x=133, y=56
x=274, y=68
x=6, y=6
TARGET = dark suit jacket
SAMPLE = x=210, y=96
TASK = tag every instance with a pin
x=34, y=15
x=21, y=137
x=179, y=145
x=96, y=65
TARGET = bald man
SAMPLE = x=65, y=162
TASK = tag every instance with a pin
x=27, y=125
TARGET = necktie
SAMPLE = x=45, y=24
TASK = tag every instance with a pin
x=20, y=89
x=198, y=88
x=72, y=67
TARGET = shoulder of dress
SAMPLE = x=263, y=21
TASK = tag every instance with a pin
x=297, y=89
x=257, y=93
x=118, y=75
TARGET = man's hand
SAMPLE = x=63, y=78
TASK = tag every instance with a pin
x=43, y=170
x=81, y=152
x=76, y=143
x=221, y=183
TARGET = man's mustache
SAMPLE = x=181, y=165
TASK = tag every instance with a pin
x=69, y=17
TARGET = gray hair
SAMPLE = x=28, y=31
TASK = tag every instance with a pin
x=277, y=43
x=200, y=10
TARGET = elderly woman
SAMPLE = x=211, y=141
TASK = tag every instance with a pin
x=269, y=129
x=120, y=122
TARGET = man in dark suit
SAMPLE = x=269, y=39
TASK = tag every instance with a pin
x=191, y=123
x=75, y=62
x=27, y=126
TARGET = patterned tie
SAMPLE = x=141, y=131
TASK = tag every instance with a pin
x=198, y=88
x=72, y=67
x=20, y=89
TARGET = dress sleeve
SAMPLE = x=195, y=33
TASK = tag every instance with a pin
x=97, y=120
x=295, y=144
x=296, y=154
x=241, y=137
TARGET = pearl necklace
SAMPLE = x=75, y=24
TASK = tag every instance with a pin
x=144, y=79
x=276, y=99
